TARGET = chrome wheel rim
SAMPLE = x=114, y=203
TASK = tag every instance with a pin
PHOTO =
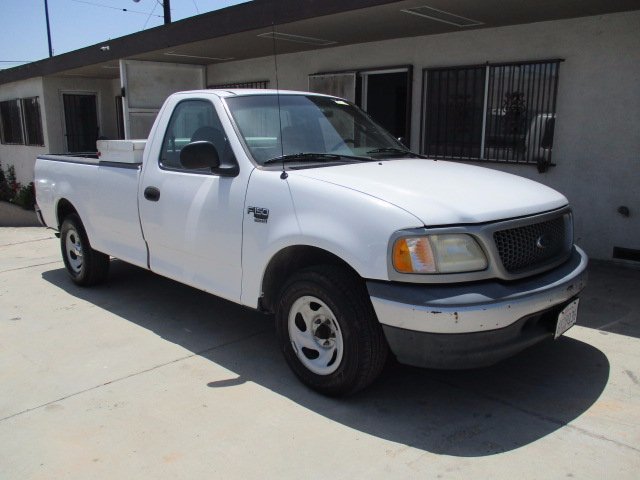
x=73, y=250
x=315, y=335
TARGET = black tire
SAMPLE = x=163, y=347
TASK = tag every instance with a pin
x=85, y=265
x=364, y=348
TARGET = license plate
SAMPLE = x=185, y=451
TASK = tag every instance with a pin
x=567, y=318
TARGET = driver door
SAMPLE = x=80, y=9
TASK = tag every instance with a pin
x=192, y=219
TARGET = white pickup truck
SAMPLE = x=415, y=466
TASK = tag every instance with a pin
x=298, y=204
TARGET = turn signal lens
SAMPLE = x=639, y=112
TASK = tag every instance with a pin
x=453, y=253
x=413, y=255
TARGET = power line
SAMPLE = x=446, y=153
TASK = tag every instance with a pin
x=116, y=8
x=150, y=14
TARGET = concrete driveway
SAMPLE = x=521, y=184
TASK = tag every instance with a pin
x=146, y=378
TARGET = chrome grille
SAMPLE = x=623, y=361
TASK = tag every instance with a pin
x=531, y=246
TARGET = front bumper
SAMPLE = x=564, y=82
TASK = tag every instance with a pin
x=475, y=324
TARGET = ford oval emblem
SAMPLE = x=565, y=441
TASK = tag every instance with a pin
x=542, y=242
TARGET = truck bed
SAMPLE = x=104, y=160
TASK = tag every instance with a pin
x=105, y=195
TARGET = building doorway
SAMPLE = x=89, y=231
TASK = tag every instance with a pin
x=385, y=95
x=80, y=121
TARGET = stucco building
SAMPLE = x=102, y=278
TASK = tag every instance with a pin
x=545, y=90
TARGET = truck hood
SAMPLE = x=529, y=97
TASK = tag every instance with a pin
x=443, y=193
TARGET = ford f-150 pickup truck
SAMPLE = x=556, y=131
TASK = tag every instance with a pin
x=300, y=205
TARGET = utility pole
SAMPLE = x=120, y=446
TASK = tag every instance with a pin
x=46, y=14
x=167, y=11
x=166, y=6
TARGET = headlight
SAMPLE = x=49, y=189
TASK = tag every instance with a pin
x=451, y=253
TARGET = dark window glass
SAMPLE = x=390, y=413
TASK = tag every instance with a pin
x=387, y=95
x=81, y=122
x=503, y=113
x=11, y=122
x=32, y=121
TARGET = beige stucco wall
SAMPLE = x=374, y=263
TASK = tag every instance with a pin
x=54, y=87
x=597, y=138
x=49, y=90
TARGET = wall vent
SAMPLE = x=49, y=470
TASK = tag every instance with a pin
x=200, y=57
x=442, y=16
x=296, y=38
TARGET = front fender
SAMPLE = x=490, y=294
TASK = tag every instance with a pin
x=353, y=225
x=302, y=211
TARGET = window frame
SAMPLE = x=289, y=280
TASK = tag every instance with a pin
x=171, y=118
x=488, y=69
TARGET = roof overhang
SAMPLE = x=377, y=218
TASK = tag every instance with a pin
x=246, y=31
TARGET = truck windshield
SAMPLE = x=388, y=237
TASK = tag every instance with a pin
x=290, y=125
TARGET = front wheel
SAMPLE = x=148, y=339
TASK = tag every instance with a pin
x=328, y=330
x=85, y=265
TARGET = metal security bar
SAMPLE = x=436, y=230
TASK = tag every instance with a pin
x=495, y=112
x=260, y=84
x=32, y=121
x=454, y=109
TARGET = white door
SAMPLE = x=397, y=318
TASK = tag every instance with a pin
x=145, y=87
x=192, y=219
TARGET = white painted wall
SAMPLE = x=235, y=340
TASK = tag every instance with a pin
x=597, y=137
x=22, y=157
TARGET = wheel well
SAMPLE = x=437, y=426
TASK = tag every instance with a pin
x=63, y=209
x=285, y=263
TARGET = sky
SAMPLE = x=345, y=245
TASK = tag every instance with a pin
x=80, y=23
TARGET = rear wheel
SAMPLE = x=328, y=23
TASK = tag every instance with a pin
x=328, y=330
x=85, y=265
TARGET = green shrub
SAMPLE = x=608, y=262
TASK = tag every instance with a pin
x=26, y=197
x=14, y=185
x=12, y=191
x=5, y=190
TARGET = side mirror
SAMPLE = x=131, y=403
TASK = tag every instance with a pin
x=200, y=154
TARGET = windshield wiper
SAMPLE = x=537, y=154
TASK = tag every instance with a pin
x=313, y=157
x=396, y=151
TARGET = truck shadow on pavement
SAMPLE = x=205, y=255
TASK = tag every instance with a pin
x=460, y=413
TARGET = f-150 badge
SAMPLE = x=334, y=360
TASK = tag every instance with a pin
x=260, y=215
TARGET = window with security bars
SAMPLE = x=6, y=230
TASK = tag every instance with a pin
x=32, y=121
x=11, y=122
x=259, y=84
x=494, y=112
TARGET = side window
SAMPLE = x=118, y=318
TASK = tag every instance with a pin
x=191, y=121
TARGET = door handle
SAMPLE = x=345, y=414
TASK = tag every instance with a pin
x=152, y=194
